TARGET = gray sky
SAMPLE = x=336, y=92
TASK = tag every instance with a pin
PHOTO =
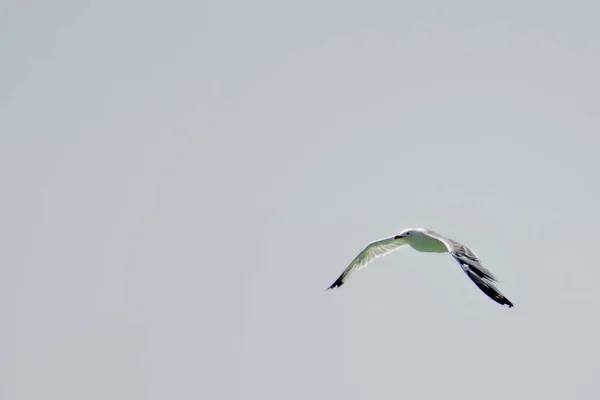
x=182, y=180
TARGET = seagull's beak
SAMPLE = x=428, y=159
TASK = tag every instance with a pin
x=398, y=236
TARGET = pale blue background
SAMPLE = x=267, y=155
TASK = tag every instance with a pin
x=182, y=180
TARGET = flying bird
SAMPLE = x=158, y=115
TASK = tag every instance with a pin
x=429, y=242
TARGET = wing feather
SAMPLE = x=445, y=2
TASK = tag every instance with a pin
x=372, y=251
x=471, y=265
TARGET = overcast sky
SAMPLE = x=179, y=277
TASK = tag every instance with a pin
x=181, y=181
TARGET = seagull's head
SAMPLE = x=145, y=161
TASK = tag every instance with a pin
x=404, y=234
x=408, y=233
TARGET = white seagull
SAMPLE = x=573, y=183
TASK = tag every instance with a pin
x=430, y=242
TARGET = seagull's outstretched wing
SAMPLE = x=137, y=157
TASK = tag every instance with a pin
x=373, y=250
x=471, y=264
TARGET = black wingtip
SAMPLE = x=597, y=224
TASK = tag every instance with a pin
x=336, y=284
x=487, y=287
x=499, y=298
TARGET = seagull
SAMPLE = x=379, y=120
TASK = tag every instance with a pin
x=428, y=241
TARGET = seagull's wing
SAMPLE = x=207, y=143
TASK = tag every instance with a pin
x=373, y=250
x=471, y=264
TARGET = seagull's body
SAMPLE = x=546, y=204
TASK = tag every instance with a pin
x=428, y=241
